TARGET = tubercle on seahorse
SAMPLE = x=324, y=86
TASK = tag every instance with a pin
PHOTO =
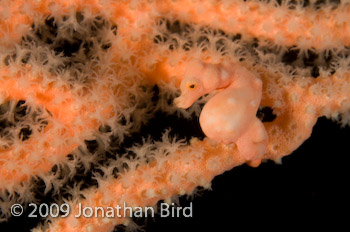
x=230, y=116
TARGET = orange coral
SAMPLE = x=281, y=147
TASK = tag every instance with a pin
x=139, y=55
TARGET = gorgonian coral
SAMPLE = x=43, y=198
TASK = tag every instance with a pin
x=80, y=80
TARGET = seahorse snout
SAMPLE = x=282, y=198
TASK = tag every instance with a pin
x=182, y=102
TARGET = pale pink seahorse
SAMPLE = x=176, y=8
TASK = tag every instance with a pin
x=230, y=115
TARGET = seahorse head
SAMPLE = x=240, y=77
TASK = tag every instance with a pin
x=191, y=89
x=199, y=79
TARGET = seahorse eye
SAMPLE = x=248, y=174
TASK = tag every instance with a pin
x=191, y=86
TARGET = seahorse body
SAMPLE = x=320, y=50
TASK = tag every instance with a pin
x=229, y=116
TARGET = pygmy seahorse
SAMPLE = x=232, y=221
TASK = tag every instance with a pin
x=230, y=115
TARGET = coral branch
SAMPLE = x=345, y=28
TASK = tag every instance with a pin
x=320, y=29
x=176, y=174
